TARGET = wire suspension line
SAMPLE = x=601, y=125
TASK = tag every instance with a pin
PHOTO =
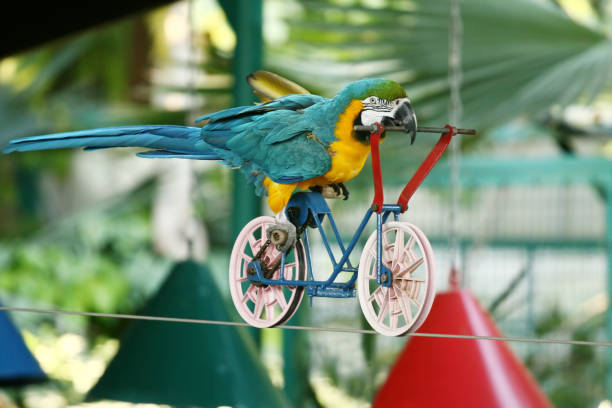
x=455, y=113
x=306, y=328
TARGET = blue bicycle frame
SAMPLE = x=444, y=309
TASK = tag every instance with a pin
x=313, y=204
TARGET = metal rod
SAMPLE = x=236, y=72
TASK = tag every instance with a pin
x=422, y=129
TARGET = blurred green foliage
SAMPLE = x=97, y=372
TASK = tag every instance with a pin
x=574, y=378
x=99, y=260
x=520, y=58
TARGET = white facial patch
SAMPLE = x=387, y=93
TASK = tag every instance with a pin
x=375, y=109
x=369, y=117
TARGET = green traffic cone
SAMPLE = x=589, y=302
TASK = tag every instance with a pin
x=187, y=364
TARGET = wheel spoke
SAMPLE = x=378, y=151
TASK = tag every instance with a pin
x=289, y=271
x=387, y=250
x=409, y=284
x=398, y=247
x=408, y=252
x=280, y=297
x=269, y=312
x=253, y=243
x=249, y=294
x=406, y=311
x=371, y=269
x=387, y=254
x=274, y=258
x=385, y=306
x=372, y=274
x=385, y=240
x=411, y=242
x=259, y=303
x=244, y=261
x=376, y=295
x=412, y=256
x=411, y=268
x=392, y=307
x=412, y=297
x=393, y=320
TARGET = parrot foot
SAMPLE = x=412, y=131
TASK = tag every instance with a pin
x=338, y=190
x=343, y=190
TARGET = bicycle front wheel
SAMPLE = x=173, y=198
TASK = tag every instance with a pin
x=403, y=306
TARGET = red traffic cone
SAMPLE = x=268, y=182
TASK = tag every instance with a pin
x=443, y=372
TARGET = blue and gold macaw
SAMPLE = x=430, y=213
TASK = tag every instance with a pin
x=291, y=140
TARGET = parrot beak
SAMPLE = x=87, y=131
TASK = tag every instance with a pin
x=404, y=116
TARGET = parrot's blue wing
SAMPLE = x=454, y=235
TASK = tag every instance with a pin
x=288, y=162
x=289, y=102
x=297, y=159
x=279, y=145
x=223, y=126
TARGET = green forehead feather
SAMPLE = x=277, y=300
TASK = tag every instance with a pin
x=389, y=90
x=382, y=88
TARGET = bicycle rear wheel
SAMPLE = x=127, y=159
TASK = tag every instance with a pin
x=403, y=306
x=264, y=305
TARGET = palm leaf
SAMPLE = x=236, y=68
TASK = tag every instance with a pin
x=518, y=57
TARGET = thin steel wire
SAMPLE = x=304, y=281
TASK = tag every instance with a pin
x=455, y=113
x=191, y=114
x=305, y=328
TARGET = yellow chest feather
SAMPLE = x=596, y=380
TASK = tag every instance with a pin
x=347, y=159
x=347, y=154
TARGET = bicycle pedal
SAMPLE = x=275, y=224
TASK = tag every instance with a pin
x=282, y=235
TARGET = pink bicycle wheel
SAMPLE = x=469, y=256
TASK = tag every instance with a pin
x=403, y=306
x=264, y=305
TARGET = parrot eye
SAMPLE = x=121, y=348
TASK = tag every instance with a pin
x=371, y=99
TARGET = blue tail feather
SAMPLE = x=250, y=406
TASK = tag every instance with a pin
x=173, y=141
x=163, y=154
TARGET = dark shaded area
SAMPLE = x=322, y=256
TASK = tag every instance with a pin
x=28, y=25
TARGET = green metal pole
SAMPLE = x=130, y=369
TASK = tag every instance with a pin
x=247, y=58
x=245, y=16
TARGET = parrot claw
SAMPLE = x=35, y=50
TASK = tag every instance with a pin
x=340, y=190
x=344, y=191
x=336, y=190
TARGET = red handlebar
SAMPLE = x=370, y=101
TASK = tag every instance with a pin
x=418, y=177
x=378, y=190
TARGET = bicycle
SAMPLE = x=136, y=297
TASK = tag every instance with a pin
x=396, y=273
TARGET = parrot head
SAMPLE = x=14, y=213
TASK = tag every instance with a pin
x=385, y=102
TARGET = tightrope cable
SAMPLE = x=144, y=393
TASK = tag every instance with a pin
x=455, y=113
x=305, y=328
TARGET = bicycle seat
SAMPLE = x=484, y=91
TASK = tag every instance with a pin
x=304, y=205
